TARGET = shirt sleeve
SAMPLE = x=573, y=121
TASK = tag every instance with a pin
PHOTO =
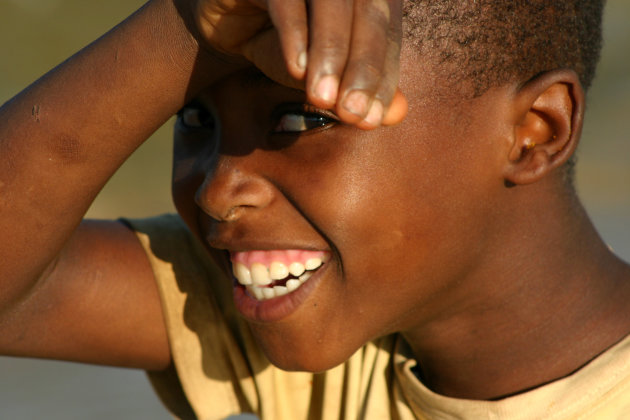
x=213, y=355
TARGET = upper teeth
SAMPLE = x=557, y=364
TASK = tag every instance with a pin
x=258, y=277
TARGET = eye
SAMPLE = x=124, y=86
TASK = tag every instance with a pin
x=195, y=116
x=301, y=118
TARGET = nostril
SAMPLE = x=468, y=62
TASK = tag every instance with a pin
x=229, y=192
x=211, y=209
x=233, y=213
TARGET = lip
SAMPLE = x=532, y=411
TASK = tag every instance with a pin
x=244, y=245
x=275, y=309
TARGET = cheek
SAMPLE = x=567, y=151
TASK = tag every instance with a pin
x=186, y=180
x=194, y=155
x=405, y=220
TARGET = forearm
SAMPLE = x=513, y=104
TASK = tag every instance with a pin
x=64, y=136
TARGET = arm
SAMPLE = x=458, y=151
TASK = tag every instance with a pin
x=85, y=292
x=61, y=139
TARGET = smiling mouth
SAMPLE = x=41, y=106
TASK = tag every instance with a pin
x=270, y=274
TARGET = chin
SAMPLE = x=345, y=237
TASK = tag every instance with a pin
x=313, y=363
x=309, y=355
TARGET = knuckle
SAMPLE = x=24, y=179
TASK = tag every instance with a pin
x=366, y=75
x=332, y=41
x=376, y=11
x=380, y=9
x=371, y=71
x=330, y=57
x=386, y=93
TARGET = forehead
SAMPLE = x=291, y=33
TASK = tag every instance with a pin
x=434, y=101
x=246, y=104
x=248, y=89
x=255, y=79
x=416, y=73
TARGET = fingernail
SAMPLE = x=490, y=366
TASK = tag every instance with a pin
x=326, y=88
x=375, y=115
x=302, y=60
x=357, y=103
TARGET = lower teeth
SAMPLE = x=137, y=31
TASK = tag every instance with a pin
x=279, y=289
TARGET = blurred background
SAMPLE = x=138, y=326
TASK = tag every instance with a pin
x=35, y=35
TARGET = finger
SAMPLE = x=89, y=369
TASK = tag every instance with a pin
x=290, y=20
x=394, y=114
x=397, y=110
x=365, y=68
x=264, y=52
x=388, y=87
x=330, y=24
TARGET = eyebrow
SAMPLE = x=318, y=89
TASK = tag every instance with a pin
x=255, y=79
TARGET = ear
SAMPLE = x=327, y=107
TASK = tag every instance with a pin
x=549, y=110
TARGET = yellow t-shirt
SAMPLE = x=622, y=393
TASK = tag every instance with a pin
x=219, y=370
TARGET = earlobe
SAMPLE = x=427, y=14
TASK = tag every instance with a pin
x=547, y=126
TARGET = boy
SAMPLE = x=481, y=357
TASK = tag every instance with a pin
x=457, y=229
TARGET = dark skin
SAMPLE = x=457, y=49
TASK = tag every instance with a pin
x=453, y=266
x=73, y=160
x=480, y=278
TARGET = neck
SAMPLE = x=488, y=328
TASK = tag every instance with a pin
x=539, y=308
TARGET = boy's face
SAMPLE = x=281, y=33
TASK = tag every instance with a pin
x=404, y=212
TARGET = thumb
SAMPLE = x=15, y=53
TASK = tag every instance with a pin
x=264, y=52
x=397, y=110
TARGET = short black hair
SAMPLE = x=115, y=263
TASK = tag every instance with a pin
x=486, y=43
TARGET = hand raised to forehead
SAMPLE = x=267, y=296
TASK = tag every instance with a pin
x=343, y=53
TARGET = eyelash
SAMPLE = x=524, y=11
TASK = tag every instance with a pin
x=319, y=118
x=195, y=116
x=205, y=119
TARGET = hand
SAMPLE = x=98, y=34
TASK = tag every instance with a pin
x=343, y=53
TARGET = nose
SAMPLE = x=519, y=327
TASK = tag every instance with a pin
x=229, y=191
